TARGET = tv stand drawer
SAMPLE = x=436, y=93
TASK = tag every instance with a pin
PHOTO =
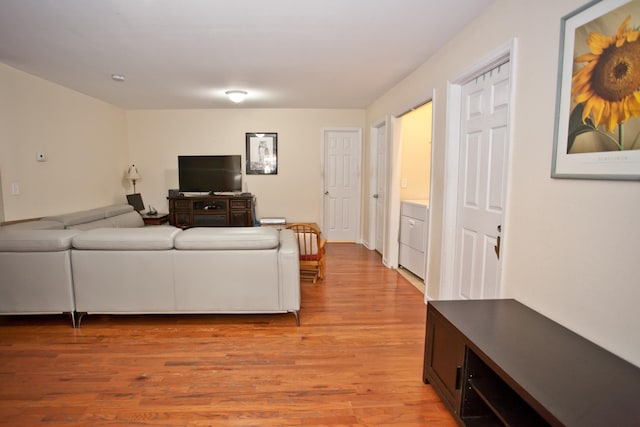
x=182, y=204
x=219, y=220
x=240, y=204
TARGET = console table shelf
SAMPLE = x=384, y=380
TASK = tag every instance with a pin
x=212, y=211
x=499, y=363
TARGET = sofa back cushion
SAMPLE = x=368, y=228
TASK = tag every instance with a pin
x=227, y=238
x=115, y=210
x=130, y=219
x=127, y=239
x=127, y=220
x=74, y=218
x=33, y=225
x=81, y=217
x=36, y=240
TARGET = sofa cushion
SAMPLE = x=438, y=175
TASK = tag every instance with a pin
x=127, y=239
x=202, y=238
x=36, y=240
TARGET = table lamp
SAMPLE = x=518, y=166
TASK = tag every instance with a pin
x=133, y=175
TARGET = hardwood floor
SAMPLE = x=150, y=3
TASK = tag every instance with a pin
x=356, y=360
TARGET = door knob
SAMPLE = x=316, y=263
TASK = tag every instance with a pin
x=326, y=193
x=375, y=196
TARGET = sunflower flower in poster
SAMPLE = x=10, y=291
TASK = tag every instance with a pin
x=606, y=90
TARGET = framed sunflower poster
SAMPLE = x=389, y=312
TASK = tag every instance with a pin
x=597, y=129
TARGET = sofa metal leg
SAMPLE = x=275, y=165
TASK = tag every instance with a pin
x=72, y=315
x=297, y=314
x=79, y=316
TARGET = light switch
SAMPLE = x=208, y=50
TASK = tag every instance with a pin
x=15, y=188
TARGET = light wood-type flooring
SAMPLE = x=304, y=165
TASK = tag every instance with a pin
x=356, y=360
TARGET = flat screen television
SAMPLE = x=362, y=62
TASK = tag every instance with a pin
x=210, y=173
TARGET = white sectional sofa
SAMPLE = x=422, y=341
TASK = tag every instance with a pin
x=199, y=270
x=155, y=269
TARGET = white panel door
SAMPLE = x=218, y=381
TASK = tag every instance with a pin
x=481, y=195
x=381, y=186
x=342, y=185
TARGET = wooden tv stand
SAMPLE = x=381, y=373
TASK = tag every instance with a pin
x=212, y=211
x=497, y=362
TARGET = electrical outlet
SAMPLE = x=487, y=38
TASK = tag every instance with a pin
x=41, y=157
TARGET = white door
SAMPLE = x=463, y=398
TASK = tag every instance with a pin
x=341, y=184
x=484, y=143
x=381, y=185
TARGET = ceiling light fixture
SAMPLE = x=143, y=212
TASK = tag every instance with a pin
x=236, y=96
x=117, y=77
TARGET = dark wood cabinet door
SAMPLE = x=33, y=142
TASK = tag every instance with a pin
x=444, y=360
x=241, y=219
x=182, y=218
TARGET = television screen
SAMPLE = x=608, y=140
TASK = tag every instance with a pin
x=210, y=173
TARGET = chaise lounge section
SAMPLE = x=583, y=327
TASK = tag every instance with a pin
x=36, y=272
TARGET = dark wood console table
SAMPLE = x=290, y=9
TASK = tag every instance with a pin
x=211, y=211
x=157, y=219
x=497, y=362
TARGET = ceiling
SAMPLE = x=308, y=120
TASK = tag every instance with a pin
x=187, y=53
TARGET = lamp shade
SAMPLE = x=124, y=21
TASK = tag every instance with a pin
x=132, y=173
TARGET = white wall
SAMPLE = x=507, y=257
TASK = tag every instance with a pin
x=90, y=144
x=84, y=140
x=416, y=154
x=571, y=245
x=157, y=137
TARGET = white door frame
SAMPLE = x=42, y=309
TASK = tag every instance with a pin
x=1, y=202
x=370, y=242
x=391, y=255
x=323, y=133
x=452, y=151
x=427, y=244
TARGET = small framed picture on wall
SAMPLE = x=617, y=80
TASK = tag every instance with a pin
x=262, y=153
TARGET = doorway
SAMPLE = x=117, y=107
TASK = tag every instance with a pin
x=476, y=171
x=409, y=174
x=415, y=182
x=378, y=187
x=341, y=182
